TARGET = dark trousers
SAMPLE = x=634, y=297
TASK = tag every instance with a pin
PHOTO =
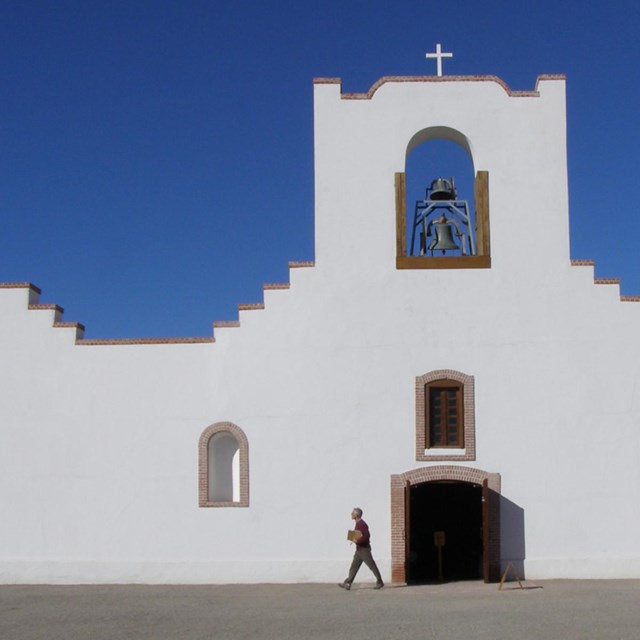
x=363, y=554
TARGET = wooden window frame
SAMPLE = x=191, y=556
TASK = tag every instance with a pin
x=444, y=385
x=445, y=377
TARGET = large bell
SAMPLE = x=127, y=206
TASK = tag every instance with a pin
x=442, y=189
x=443, y=232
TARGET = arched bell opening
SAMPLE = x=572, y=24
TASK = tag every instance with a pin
x=442, y=213
x=439, y=211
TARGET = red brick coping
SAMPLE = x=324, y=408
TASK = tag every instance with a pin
x=35, y=292
x=398, y=79
x=603, y=281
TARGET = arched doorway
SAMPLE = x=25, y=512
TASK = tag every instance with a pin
x=445, y=537
x=453, y=506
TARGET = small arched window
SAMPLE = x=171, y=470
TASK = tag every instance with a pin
x=223, y=466
x=445, y=416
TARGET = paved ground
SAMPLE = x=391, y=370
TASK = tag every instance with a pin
x=548, y=610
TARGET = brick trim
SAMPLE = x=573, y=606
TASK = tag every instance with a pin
x=603, y=281
x=250, y=306
x=68, y=325
x=76, y=326
x=468, y=407
x=203, y=464
x=20, y=285
x=46, y=307
x=260, y=306
x=433, y=474
x=403, y=79
x=95, y=342
x=271, y=286
x=226, y=323
x=579, y=262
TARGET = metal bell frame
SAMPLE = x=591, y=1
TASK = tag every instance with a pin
x=440, y=198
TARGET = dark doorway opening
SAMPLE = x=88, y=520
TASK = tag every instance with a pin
x=449, y=514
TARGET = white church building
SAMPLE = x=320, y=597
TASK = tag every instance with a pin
x=457, y=376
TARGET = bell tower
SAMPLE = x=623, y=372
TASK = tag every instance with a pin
x=516, y=141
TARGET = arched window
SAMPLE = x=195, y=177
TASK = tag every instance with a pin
x=442, y=208
x=445, y=416
x=223, y=453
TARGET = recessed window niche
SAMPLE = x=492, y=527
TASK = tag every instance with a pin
x=223, y=468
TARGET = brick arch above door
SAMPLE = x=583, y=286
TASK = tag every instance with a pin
x=421, y=475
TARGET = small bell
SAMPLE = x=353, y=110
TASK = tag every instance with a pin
x=442, y=189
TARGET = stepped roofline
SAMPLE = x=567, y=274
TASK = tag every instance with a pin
x=35, y=305
x=400, y=79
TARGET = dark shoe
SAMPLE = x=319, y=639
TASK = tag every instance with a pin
x=344, y=585
x=379, y=585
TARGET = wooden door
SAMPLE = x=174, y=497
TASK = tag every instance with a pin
x=486, y=534
x=407, y=529
x=490, y=533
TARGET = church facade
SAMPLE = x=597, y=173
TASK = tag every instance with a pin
x=461, y=379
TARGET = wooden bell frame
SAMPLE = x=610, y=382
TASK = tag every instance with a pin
x=482, y=259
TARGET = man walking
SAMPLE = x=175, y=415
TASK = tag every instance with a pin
x=362, y=553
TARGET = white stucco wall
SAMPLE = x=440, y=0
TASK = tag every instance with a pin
x=98, y=444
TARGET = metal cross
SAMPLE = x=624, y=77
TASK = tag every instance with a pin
x=438, y=55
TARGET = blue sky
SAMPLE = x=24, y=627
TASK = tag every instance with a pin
x=156, y=157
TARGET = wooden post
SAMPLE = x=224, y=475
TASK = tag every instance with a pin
x=439, y=542
x=401, y=216
x=481, y=196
